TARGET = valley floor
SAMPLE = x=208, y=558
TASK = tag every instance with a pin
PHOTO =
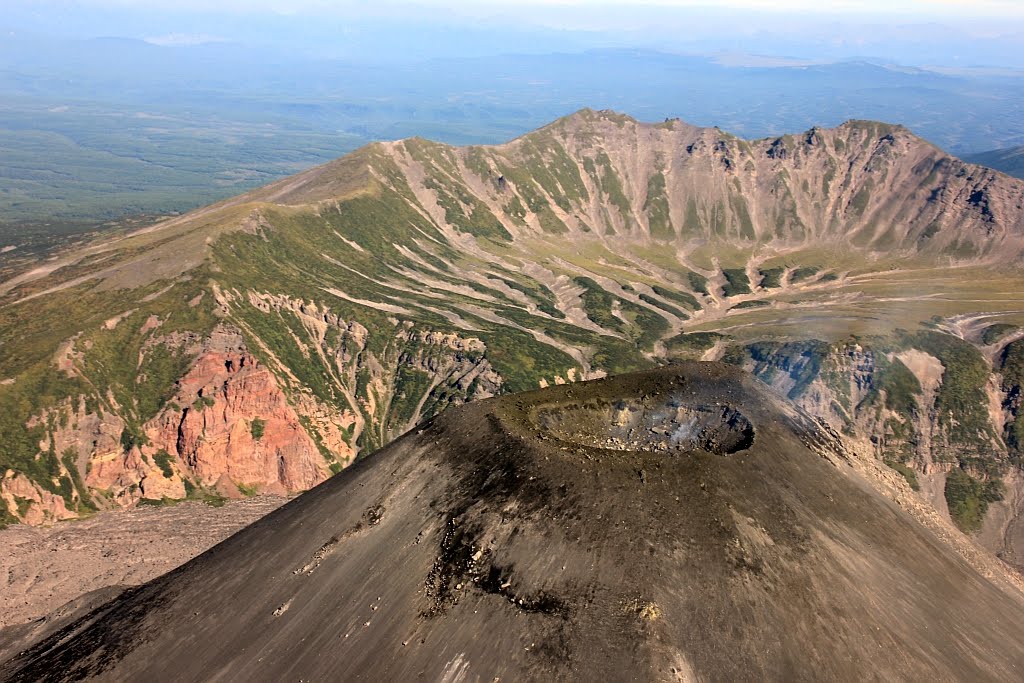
x=42, y=568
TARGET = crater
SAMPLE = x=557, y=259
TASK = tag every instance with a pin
x=648, y=425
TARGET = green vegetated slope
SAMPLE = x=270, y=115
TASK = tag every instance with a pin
x=382, y=288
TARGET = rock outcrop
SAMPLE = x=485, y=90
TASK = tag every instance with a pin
x=383, y=382
x=33, y=503
x=231, y=424
x=228, y=427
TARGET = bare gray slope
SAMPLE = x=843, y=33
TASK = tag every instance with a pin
x=677, y=524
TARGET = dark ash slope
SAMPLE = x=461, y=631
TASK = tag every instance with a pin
x=484, y=547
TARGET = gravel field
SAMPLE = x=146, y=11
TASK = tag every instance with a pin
x=41, y=568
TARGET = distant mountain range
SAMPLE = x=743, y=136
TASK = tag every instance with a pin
x=264, y=342
x=93, y=130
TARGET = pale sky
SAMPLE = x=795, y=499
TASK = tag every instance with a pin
x=978, y=31
x=919, y=8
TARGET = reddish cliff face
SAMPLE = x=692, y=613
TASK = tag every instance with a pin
x=230, y=425
x=34, y=503
x=234, y=425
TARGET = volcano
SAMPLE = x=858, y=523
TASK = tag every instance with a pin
x=683, y=523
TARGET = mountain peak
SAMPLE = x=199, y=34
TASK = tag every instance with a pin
x=588, y=114
x=606, y=176
x=589, y=117
x=875, y=127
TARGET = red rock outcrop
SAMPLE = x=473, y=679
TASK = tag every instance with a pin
x=231, y=425
x=34, y=504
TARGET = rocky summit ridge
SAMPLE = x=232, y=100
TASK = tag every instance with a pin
x=263, y=343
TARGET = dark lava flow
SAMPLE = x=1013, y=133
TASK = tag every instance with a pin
x=679, y=524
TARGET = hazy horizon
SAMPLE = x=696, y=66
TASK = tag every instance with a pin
x=909, y=32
